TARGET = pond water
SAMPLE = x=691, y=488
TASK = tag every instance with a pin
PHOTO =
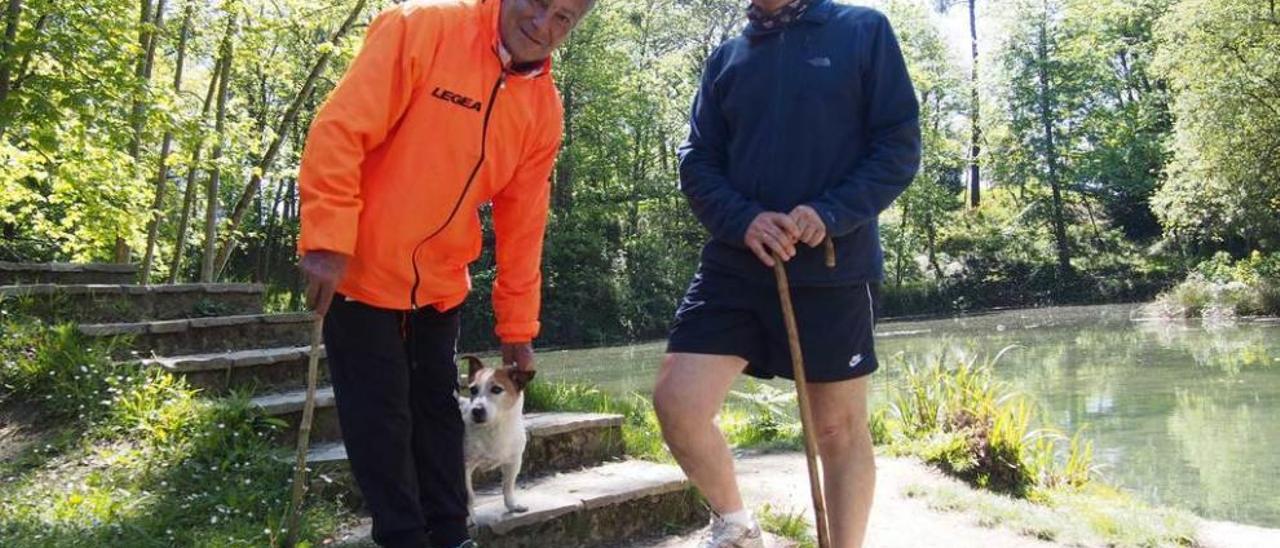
x=1182, y=414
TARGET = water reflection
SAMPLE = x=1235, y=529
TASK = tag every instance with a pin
x=1181, y=413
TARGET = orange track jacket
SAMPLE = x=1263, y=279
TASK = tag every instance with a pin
x=427, y=120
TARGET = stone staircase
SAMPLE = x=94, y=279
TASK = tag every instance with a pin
x=577, y=483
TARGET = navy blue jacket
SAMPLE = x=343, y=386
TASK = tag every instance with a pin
x=822, y=113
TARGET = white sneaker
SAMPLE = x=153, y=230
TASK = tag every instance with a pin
x=733, y=535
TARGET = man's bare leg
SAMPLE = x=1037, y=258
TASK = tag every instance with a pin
x=848, y=458
x=690, y=391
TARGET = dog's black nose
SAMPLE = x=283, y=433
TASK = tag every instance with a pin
x=478, y=414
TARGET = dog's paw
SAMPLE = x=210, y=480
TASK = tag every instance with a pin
x=517, y=508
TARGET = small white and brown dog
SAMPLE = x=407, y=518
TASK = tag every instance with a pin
x=493, y=412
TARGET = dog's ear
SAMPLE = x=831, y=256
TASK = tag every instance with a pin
x=520, y=377
x=474, y=365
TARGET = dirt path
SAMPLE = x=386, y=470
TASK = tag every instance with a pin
x=20, y=428
x=898, y=521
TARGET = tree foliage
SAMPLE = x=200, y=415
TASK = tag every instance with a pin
x=1223, y=190
x=1119, y=137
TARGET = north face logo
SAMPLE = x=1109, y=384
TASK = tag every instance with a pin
x=460, y=100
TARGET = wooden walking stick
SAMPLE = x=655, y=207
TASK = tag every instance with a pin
x=304, y=433
x=802, y=392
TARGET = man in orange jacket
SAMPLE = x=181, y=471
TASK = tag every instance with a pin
x=448, y=106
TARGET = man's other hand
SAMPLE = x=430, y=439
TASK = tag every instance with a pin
x=323, y=271
x=772, y=234
x=519, y=355
x=812, y=229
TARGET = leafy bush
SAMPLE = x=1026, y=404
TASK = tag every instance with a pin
x=1221, y=288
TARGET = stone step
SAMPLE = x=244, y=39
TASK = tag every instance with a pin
x=610, y=505
x=66, y=273
x=558, y=442
x=205, y=335
x=114, y=303
x=287, y=406
x=220, y=372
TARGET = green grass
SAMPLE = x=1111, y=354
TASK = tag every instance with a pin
x=950, y=413
x=66, y=376
x=758, y=418
x=789, y=525
x=280, y=299
x=640, y=431
x=1094, y=516
x=141, y=459
x=761, y=417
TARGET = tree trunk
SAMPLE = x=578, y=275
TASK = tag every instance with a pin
x=12, y=17
x=975, y=133
x=1050, y=152
x=162, y=176
x=901, y=247
x=138, y=114
x=295, y=288
x=269, y=242
x=190, y=196
x=282, y=129
x=562, y=198
x=931, y=233
x=148, y=25
x=211, y=207
x=13, y=80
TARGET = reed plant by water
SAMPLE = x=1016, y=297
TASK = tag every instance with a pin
x=953, y=413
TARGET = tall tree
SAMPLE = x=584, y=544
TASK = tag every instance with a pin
x=12, y=18
x=935, y=194
x=1223, y=186
x=220, y=138
x=975, y=124
x=1041, y=84
x=162, y=174
x=282, y=129
x=1122, y=115
x=1049, y=121
x=193, y=169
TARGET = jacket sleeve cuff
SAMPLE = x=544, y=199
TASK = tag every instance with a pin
x=829, y=218
x=328, y=231
x=517, y=332
x=738, y=230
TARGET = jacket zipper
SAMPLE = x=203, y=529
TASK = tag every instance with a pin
x=484, y=138
x=777, y=94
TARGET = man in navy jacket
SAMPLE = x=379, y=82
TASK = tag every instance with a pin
x=805, y=127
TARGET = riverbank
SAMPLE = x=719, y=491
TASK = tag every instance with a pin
x=918, y=506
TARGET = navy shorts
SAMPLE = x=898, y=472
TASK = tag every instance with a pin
x=722, y=314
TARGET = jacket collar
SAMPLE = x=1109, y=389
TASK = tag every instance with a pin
x=819, y=12
x=490, y=17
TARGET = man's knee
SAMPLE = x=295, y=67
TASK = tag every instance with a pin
x=835, y=434
x=669, y=397
x=680, y=406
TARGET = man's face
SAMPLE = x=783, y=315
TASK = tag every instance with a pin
x=532, y=29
